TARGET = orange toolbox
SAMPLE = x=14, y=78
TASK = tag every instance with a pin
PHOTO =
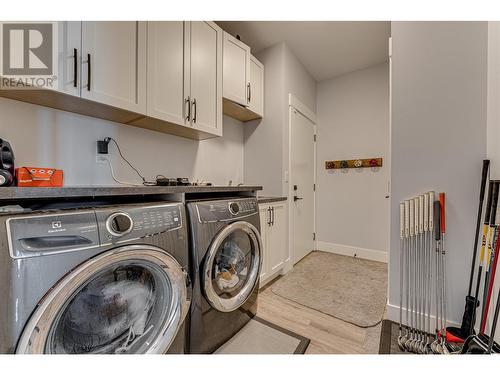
x=39, y=177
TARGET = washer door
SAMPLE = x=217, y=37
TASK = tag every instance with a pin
x=232, y=266
x=129, y=300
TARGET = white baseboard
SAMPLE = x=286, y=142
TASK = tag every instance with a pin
x=393, y=314
x=370, y=254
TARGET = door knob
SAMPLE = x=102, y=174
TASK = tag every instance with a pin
x=295, y=198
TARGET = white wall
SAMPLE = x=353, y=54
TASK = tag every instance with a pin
x=493, y=130
x=352, y=212
x=298, y=81
x=46, y=137
x=263, y=156
x=302, y=86
x=493, y=139
x=439, y=136
x=266, y=140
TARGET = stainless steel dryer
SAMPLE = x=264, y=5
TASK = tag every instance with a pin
x=109, y=279
x=225, y=253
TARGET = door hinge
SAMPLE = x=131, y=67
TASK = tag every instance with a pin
x=314, y=137
x=314, y=236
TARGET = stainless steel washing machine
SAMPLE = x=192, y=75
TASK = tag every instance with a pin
x=225, y=251
x=110, y=279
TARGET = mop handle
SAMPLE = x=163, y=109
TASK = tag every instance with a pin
x=407, y=218
x=401, y=220
x=412, y=218
x=442, y=218
x=431, y=210
x=426, y=212
x=421, y=214
x=437, y=219
x=415, y=222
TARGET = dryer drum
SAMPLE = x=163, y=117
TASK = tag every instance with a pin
x=232, y=266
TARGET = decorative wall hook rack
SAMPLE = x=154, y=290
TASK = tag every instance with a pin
x=354, y=163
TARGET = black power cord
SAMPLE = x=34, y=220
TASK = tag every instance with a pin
x=144, y=181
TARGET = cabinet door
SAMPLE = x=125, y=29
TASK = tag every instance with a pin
x=264, y=226
x=114, y=63
x=205, y=45
x=236, y=70
x=166, y=97
x=277, y=239
x=256, y=87
x=69, y=57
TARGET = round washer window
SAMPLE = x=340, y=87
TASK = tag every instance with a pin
x=120, y=310
x=132, y=299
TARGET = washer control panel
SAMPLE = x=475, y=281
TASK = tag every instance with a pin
x=136, y=222
x=44, y=234
x=225, y=210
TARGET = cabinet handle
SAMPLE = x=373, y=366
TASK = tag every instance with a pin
x=249, y=89
x=194, y=110
x=188, y=101
x=269, y=216
x=272, y=222
x=75, y=67
x=88, y=72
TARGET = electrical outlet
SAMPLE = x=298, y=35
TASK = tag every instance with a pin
x=101, y=158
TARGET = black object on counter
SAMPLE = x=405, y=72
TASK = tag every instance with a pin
x=6, y=164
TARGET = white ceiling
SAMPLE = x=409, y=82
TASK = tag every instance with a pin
x=327, y=49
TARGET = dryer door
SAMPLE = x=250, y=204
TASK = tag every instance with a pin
x=129, y=300
x=232, y=266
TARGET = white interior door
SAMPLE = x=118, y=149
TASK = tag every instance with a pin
x=301, y=186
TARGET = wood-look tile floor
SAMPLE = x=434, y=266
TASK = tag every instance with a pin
x=328, y=335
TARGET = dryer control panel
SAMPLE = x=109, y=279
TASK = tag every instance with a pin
x=123, y=224
x=226, y=210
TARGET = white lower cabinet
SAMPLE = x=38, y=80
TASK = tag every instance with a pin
x=274, y=233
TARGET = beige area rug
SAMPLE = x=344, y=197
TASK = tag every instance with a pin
x=351, y=289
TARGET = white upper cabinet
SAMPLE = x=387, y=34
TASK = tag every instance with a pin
x=163, y=76
x=256, y=87
x=114, y=64
x=204, y=57
x=166, y=97
x=69, y=57
x=236, y=70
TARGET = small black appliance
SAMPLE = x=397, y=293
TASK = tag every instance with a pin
x=6, y=164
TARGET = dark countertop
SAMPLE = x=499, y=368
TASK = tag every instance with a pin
x=271, y=199
x=14, y=193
